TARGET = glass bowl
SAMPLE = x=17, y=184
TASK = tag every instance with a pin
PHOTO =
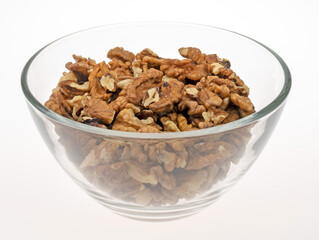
x=114, y=167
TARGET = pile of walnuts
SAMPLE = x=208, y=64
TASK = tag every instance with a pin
x=149, y=94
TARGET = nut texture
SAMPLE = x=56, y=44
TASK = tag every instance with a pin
x=149, y=94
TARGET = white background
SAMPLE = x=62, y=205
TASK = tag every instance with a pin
x=277, y=199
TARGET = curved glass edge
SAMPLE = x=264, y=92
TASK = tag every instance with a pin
x=280, y=99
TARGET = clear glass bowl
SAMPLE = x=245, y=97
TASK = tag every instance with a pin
x=216, y=157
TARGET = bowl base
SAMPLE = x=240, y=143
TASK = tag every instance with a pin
x=156, y=214
x=149, y=215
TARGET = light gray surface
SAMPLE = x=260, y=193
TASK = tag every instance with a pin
x=277, y=199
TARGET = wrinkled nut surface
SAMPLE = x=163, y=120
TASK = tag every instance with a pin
x=193, y=53
x=81, y=68
x=121, y=54
x=192, y=91
x=153, y=96
x=127, y=121
x=124, y=83
x=145, y=93
x=99, y=109
x=108, y=83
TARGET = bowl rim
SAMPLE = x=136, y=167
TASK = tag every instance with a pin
x=272, y=106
